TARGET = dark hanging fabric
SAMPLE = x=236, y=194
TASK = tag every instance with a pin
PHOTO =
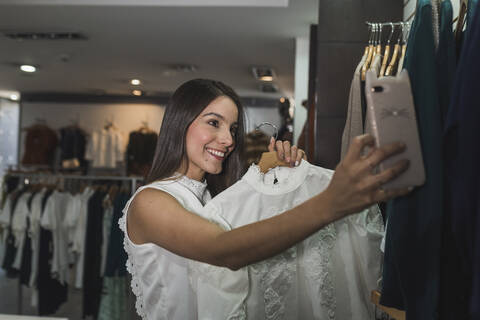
x=72, y=144
x=26, y=264
x=51, y=293
x=10, y=249
x=40, y=145
x=462, y=158
x=140, y=152
x=116, y=255
x=411, y=275
x=92, y=280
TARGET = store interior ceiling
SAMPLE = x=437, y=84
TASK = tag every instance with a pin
x=161, y=42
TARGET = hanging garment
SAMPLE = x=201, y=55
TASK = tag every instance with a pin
x=116, y=255
x=19, y=225
x=105, y=148
x=411, y=270
x=40, y=145
x=330, y=275
x=462, y=156
x=78, y=246
x=114, y=295
x=72, y=147
x=446, y=57
x=52, y=220
x=34, y=233
x=354, y=122
x=92, y=281
x=140, y=152
x=51, y=294
x=159, y=277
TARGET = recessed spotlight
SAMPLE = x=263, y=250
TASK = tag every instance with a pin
x=135, y=82
x=137, y=92
x=27, y=68
x=282, y=100
x=14, y=97
x=266, y=78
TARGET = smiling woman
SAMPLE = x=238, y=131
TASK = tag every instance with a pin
x=199, y=154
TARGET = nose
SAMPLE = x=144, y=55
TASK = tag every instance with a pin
x=226, y=138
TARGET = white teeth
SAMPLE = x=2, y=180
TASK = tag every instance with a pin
x=216, y=153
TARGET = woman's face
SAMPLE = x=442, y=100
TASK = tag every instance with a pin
x=211, y=138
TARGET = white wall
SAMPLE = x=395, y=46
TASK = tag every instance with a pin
x=92, y=116
x=301, y=84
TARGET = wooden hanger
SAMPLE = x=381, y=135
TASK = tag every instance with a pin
x=461, y=20
x=386, y=56
x=269, y=160
x=371, y=50
x=396, y=50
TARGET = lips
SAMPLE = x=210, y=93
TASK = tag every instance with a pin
x=216, y=153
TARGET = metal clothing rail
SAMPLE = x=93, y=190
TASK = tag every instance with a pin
x=385, y=24
x=133, y=180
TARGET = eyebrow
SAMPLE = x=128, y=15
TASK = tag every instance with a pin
x=218, y=116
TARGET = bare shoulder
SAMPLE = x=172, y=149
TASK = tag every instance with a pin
x=150, y=207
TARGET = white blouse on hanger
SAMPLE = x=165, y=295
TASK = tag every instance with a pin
x=105, y=148
x=327, y=276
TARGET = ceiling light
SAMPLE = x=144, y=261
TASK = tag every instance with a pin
x=263, y=73
x=135, y=82
x=14, y=97
x=282, y=100
x=27, y=68
x=137, y=92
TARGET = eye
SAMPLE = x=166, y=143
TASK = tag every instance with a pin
x=213, y=123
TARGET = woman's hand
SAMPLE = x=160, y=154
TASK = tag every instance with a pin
x=290, y=154
x=354, y=186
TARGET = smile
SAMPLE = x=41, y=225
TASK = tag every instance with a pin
x=216, y=153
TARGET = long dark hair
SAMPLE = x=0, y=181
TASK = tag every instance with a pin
x=186, y=103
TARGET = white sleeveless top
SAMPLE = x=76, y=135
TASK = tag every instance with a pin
x=160, y=277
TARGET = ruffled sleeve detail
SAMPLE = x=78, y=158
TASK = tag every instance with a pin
x=131, y=268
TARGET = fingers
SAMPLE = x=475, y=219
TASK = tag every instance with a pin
x=379, y=154
x=385, y=195
x=283, y=150
x=375, y=181
x=358, y=144
x=286, y=152
x=271, y=145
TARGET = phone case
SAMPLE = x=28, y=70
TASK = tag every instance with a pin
x=390, y=118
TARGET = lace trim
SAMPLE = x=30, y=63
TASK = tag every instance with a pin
x=276, y=278
x=131, y=268
x=318, y=266
x=196, y=187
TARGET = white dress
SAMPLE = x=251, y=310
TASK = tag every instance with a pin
x=160, y=277
x=327, y=276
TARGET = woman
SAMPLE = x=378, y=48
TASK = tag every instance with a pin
x=199, y=144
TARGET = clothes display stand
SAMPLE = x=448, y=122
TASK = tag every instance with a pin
x=61, y=178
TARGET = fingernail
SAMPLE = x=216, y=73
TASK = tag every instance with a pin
x=296, y=163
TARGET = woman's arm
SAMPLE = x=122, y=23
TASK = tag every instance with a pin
x=157, y=217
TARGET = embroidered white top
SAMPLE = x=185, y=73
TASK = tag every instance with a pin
x=160, y=277
x=328, y=276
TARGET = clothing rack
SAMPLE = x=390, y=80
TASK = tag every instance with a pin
x=384, y=24
x=133, y=180
x=33, y=175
